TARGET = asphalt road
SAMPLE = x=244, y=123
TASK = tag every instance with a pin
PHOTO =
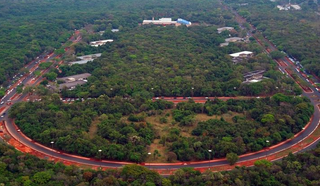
x=13, y=131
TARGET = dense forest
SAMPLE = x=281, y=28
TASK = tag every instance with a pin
x=296, y=32
x=271, y=119
x=30, y=27
x=143, y=60
x=147, y=61
x=253, y=122
x=23, y=169
x=174, y=61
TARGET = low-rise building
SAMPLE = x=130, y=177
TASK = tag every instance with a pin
x=101, y=32
x=280, y=7
x=254, y=76
x=161, y=21
x=100, y=42
x=184, y=22
x=224, y=44
x=296, y=7
x=85, y=59
x=71, y=82
x=240, y=56
x=233, y=39
x=167, y=21
x=243, y=54
x=224, y=28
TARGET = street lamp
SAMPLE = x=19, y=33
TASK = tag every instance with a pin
x=209, y=153
x=19, y=136
x=192, y=91
x=52, y=142
x=301, y=143
x=100, y=154
x=149, y=153
x=267, y=141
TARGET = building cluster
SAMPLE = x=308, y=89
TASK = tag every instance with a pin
x=71, y=82
x=85, y=59
x=224, y=29
x=288, y=7
x=240, y=56
x=167, y=21
x=254, y=76
x=233, y=40
x=112, y=30
x=100, y=42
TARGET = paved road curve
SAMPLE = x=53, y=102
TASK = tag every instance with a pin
x=13, y=131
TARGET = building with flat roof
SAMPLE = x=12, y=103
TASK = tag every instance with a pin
x=85, y=59
x=233, y=39
x=161, y=21
x=296, y=7
x=167, y=21
x=100, y=42
x=184, y=22
x=224, y=28
x=254, y=76
x=71, y=82
x=240, y=56
x=224, y=44
x=243, y=54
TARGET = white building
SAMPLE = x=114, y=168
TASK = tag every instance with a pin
x=296, y=7
x=224, y=44
x=280, y=7
x=101, y=42
x=161, y=21
x=233, y=39
x=243, y=54
x=224, y=28
x=114, y=30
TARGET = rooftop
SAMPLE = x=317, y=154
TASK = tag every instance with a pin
x=75, y=78
x=91, y=56
x=100, y=42
x=224, y=44
x=224, y=28
x=160, y=21
x=71, y=84
x=233, y=39
x=296, y=7
x=239, y=54
x=85, y=59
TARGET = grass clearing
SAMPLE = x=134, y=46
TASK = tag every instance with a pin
x=163, y=129
x=93, y=128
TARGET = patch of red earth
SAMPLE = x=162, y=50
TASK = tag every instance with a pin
x=281, y=63
x=2, y=109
